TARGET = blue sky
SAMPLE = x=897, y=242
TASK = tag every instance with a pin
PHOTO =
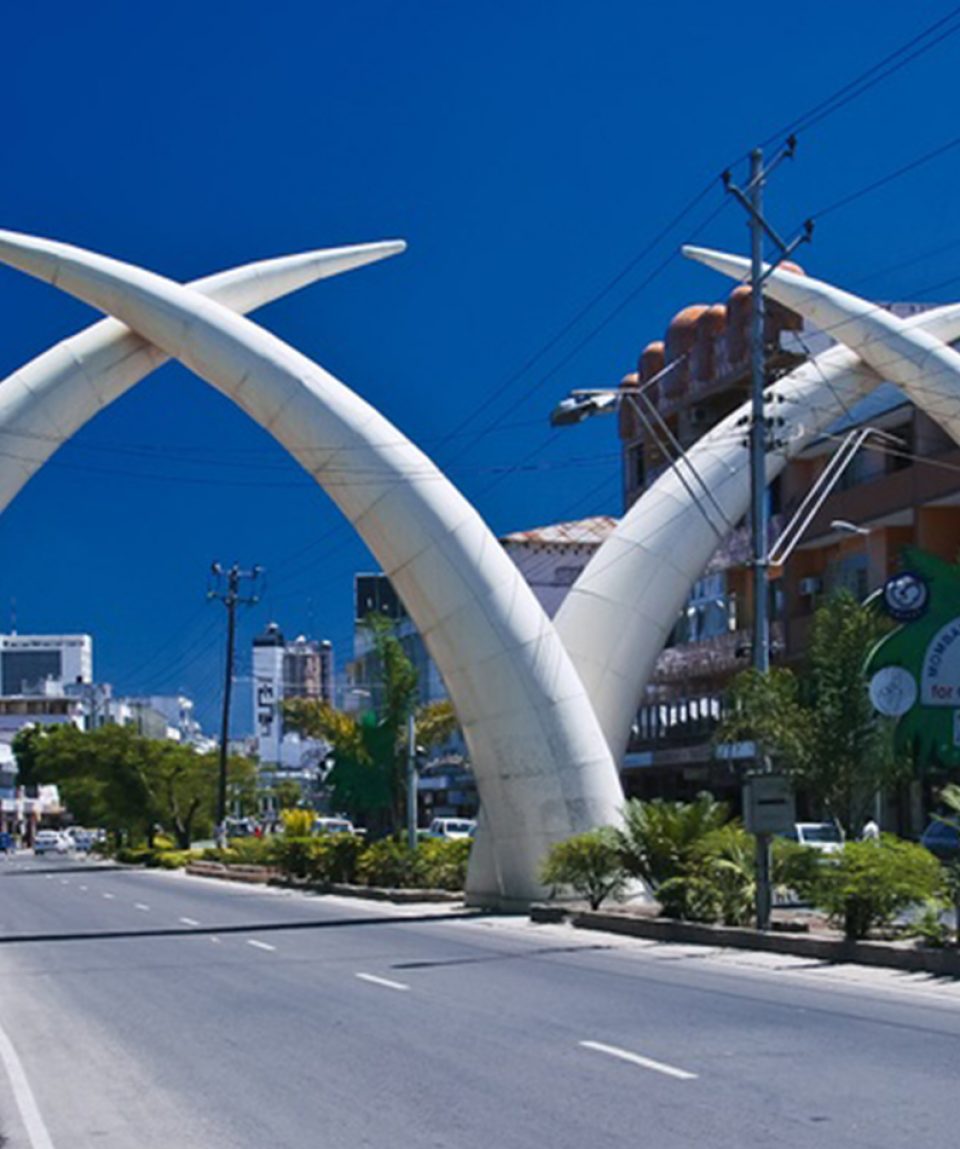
x=527, y=151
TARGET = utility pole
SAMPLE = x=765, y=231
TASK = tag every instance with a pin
x=760, y=442
x=230, y=598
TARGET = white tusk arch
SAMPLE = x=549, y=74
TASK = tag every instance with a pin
x=543, y=768
x=617, y=616
x=905, y=353
x=50, y=398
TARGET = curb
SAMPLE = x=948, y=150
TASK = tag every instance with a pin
x=942, y=962
x=264, y=875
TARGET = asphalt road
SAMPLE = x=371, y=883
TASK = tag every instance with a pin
x=143, y=1010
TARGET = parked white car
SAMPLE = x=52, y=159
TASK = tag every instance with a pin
x=50, y=842
x=452, y=828
x=822, y=836
x=333, y=826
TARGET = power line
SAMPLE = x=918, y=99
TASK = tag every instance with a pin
x=872, y=76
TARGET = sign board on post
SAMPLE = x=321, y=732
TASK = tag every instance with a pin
x=768, y=804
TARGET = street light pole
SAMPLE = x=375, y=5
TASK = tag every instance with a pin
x=412, y=780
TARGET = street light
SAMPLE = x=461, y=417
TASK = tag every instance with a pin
x=580, y=405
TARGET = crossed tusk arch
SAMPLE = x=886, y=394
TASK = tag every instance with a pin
x=617, y=616
x=542, y=766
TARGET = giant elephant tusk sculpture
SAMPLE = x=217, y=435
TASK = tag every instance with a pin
x=906, y=352
x=543, y=768
x=617, y=616
x=49, y=399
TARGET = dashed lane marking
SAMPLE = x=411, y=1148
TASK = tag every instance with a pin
x=384, y=981
x=260, y=945
x=188, y=921
x=637, y=1059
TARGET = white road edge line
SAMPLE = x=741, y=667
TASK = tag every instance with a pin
x=384, y=981
x=37, y=1133
x=260, y=945
x=643, y=1062
x=188, y=921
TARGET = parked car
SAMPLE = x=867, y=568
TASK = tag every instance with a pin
x=941, y=839
x=80, y=838
x=823, y=836
x=452, y=828
x=50, y=842
x=333, y=826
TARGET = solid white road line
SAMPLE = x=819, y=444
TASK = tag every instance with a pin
x=188, y=921
x=384, y=981
x=260, y=945
x=140, y=906
x=37, y=1133
x=636, y=1059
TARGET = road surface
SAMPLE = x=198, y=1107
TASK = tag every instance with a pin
x=142, y=1009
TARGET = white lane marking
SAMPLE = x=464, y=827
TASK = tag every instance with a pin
x=188, y=921
x=216, y=941
x=108, y=895
x=140, y=906
x=636, y=1059
x=64, y=881
x=260, y=945
x=49, y=877
x=384, y=981
x=33, y=1123
x=84, y=889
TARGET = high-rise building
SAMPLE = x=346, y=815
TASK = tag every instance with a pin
x=28, y=661
x=283, y=670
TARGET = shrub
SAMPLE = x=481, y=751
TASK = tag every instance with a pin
x=391, y=862
x=445, y=862
x=660, y=839
x=340, y=854
x=871, y=882
x=796, y=868
x=726, y=859
x=690, y=898
x=590, y=864
x=252, y=851
x=175, y=859
x=297, y=823
x=928, y=928
x=137, y=856
x=295, y=856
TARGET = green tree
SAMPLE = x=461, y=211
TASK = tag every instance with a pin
x=851, y=748
x=819, y=725
x=286, y=794
x=436, y=723
x=115, y=778
x=368, y=778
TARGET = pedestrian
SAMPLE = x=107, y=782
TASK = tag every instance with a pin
x=870, y=831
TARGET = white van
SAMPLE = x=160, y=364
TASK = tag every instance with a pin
x=452, y=828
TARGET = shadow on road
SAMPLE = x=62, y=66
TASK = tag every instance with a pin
x=245, y=928
x=545, y=951
x=90, y=869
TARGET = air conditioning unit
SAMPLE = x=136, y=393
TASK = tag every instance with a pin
x=810, y=586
